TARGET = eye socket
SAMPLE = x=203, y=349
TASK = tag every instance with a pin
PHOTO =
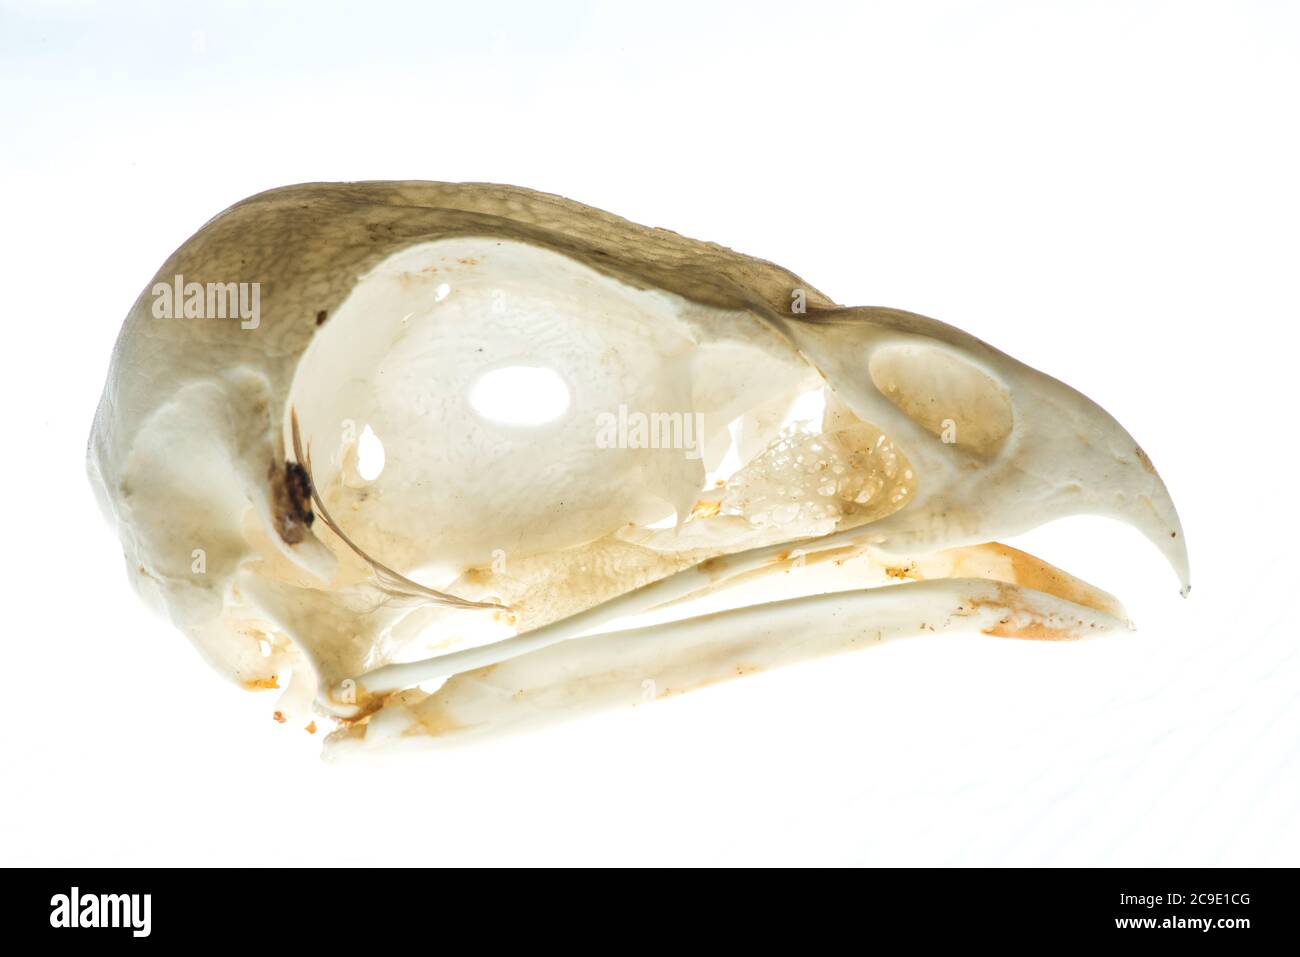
x=944, y=394
x=520, y=395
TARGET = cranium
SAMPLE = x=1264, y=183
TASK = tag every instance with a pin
x=714, y=468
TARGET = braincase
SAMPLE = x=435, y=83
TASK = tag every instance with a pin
x=308, y=244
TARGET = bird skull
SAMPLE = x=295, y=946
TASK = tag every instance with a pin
x=604, y=447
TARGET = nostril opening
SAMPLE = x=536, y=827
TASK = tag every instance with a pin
x=948, y=396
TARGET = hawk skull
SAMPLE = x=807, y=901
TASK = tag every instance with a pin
x=617, y=463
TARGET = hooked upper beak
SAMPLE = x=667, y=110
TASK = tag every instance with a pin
x=1059, y=453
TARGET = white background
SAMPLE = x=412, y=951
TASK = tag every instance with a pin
x=1107, y=191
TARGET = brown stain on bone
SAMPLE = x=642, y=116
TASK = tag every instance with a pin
x=1032, y=631
x=1021, y=620
x=705, y=508
x=998, y=562
x=435, y=724
x=1034, y=573
x=291, y=500
x=429, y=715
x=1144, y=459
x=904, y=572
